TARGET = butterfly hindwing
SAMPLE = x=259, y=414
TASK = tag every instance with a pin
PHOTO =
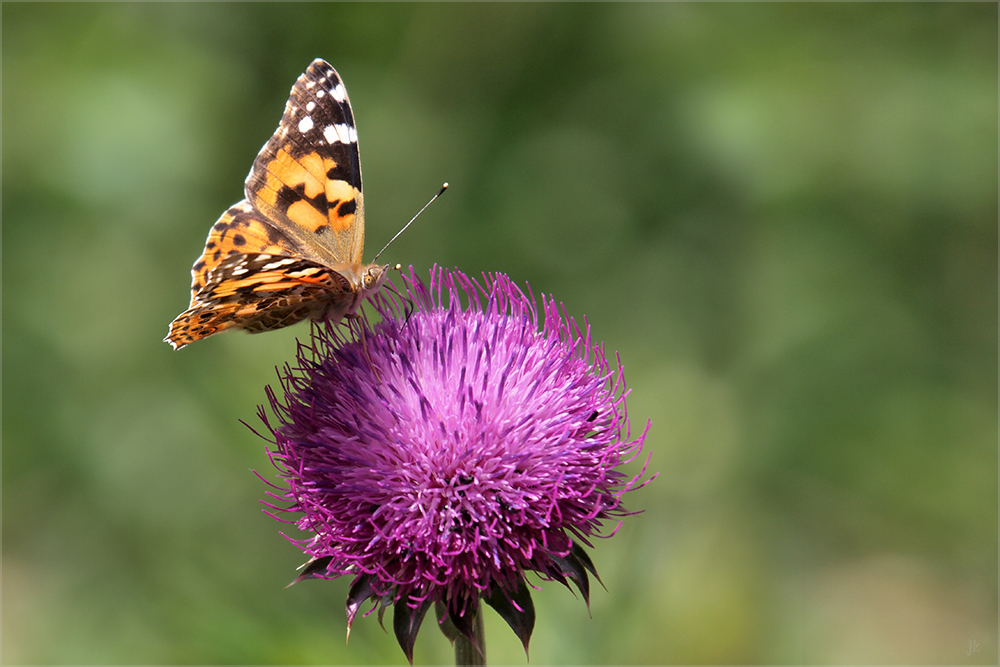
x=260, y=292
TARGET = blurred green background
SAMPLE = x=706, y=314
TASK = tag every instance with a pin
x=783, y=216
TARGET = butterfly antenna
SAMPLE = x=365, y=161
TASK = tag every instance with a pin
x=440, y=192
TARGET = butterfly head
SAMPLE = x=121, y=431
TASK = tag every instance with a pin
x=373, y=278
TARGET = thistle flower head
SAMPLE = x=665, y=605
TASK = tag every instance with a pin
x=449, y=449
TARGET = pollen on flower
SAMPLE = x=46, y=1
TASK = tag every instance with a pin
x=465, y=439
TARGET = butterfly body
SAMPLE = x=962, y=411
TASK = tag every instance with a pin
x=292, y=249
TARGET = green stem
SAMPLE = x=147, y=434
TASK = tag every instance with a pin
x=465, y=651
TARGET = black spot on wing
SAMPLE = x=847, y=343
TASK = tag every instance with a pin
x=347, y=208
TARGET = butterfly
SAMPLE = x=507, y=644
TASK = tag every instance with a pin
x=292, y=249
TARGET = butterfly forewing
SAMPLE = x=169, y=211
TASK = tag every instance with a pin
x=307, y=178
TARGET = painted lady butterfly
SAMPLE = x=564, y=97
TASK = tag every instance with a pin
x=292, y=249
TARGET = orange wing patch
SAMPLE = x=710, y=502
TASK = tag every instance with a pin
x=306, y=215
x=343, y=198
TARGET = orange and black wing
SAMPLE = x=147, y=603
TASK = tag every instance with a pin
x=307, y=178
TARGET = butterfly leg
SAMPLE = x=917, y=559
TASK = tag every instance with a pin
x=407, y=300
x=364, y=343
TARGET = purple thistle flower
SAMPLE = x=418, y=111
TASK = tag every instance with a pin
x=450, y=449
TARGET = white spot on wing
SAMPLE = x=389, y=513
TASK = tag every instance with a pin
x=310, y=106
x=305, y=124
x=340, y=134
x=305, y=273
x=277, y=265
x=339, y=92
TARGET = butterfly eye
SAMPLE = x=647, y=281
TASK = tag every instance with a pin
x=371, y=276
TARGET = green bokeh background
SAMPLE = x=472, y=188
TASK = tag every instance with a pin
x=783, y=216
